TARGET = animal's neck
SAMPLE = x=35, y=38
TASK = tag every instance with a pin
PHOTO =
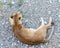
x=17, y=27
x=17, y=31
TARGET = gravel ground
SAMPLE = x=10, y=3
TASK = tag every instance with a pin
x=31, y=10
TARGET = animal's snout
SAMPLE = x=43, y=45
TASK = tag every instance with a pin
x=52, y=23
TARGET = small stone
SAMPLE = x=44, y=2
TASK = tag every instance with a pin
x=29, y=4
x=1, y=47
x=26, y=20
x=7, y=22
x=59, y=0
x=1, y=44
x=59, y=45
x=59, y=16
x=4, y=0
x=57, y=9
x=18, y=41
x=27, y=1
x=53, y=47
x=49, y=12
x=50, y=1
x=3, y=23
x=13, y=2
x=42, y=46
x=13, y=44
x=31, y=15
x=36, y=8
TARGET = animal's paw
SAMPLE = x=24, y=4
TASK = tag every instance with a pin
x=41, y=18
x=52, y=23
x=51, y=19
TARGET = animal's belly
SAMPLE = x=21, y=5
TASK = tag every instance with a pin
x=31, y=41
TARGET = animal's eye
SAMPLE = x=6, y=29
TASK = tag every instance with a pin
x=12, y=17
x=19, y=18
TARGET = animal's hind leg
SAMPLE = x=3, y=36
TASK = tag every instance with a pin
x=49, y=24
x=50, y=21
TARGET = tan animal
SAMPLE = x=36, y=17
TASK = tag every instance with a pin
x=29, y=36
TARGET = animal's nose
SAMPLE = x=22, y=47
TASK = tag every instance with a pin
x=52, y=23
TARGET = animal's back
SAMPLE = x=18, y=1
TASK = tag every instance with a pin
x=29, y=37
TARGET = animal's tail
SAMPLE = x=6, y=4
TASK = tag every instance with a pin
x=52, y=32
x=50, y=36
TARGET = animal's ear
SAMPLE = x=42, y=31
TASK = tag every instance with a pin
x=13, y=14
x=17, y=13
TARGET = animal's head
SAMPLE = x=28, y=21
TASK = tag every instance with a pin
x=15, y=18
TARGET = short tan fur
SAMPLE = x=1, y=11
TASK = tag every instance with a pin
x=29, y=36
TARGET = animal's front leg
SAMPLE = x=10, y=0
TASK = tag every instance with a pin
x=42, y=24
